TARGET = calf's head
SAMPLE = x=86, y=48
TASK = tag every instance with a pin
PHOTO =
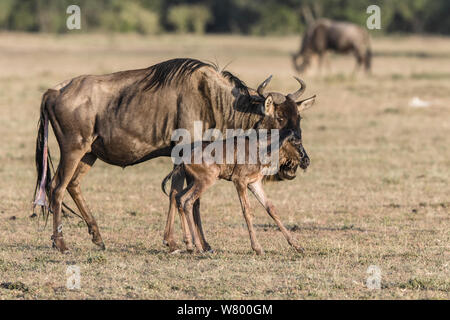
x=283, y=113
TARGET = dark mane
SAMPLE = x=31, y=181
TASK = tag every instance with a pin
x=163, y=73
x=242, y=87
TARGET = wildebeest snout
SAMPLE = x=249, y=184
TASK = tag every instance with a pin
x=304, y=159
x=294, y=138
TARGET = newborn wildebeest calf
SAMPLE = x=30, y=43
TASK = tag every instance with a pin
x=245, y=170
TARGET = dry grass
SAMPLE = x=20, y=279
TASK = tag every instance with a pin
x=376, y=193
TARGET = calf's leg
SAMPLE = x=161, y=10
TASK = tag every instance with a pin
x=185, y=206
x=258, y=191
x=181, y=199
x=176, y=188
x=198, y=222
x=241, y=189
x=198, y=225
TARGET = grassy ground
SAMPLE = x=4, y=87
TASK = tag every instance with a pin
x=376, y=193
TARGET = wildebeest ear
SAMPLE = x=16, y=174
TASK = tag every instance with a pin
x=269, y=107
x=305, y=104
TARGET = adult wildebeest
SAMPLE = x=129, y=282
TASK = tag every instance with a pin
x=342, y=37
x=247, y=173
x=128, y=117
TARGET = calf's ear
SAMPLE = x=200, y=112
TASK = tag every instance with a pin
x=269, y=107
x=305, y=104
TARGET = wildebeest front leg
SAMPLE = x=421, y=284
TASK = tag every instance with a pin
x=258, y=191
x=295, y=58
x=74, y=190
x=176, y=187
x=245, y=204
x=358, y=63
x=321, y=59
x=180, y=200
x=198, y=225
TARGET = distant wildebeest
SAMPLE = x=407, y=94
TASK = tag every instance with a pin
x=326, y=35
x=128, y=117
x=245, y=175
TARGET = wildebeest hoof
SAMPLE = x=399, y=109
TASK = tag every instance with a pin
x=189, y=246
x=59, y=244
x=207, y=248
x=98, y=242
x=259, y=251
x=101, y=245
x=172, y=245
x=174, y=249
x=190, y=249
x=299, y=249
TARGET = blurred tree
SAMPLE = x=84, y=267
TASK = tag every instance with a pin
x=408, y=16
x=437, y=17
x=276, y=19
x=6, y=7
x=23, y=17
x=179, y=17
x=189, y=18
x=49, y=17
x=130, y=17
x=225, y=16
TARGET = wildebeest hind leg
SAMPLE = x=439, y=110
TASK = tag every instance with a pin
x=74, y=189
x=66, y=169
x=187, y=204
x=198, y=222
x=180, y=200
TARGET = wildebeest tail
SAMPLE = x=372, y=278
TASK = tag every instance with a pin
x=42, y=159
x=164, y=182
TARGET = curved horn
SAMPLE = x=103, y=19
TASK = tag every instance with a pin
x=263, y=86
x=294, y=96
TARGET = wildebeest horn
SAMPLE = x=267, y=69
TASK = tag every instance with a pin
x=263, y=86
x=278, y=98
x=294, y=96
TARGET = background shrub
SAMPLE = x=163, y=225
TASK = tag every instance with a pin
x=189, y=18
x=259, y=17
